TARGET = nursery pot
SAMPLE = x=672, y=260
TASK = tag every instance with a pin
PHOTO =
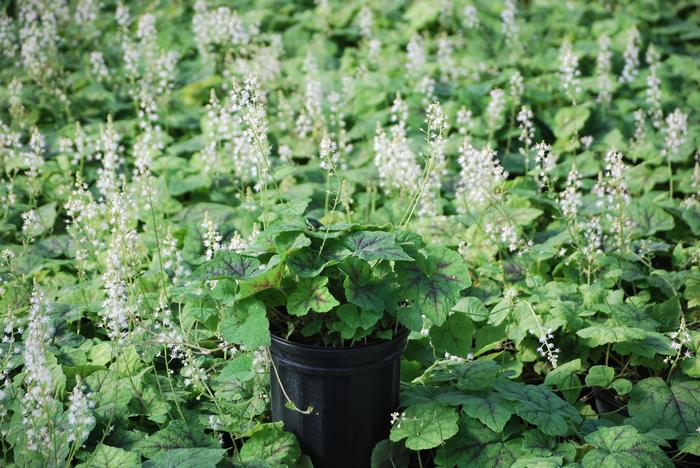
x=352, y=391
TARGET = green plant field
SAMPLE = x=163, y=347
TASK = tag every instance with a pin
x=538, y=162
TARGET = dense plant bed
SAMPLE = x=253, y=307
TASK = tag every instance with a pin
x=517, y=184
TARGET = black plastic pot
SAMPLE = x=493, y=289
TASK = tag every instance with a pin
x=352, y=391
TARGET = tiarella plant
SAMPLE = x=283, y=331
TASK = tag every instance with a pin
x=332, y=285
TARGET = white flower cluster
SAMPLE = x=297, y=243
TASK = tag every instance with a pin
x=631, y=56
x=110, y=153
x=38, y=400
x=365, y=20
x=449, y=68
x=640, y=132
x=681, y=340
x=676, y=132
x=117, y=309
x=509, y=25
x=34, y=158
x=545, y=162
x=481, y=178
x=604, y=69
x=415, y=56
x=80, y=418
x=211, y=237
x=221, y=27
x=436, y=121
x=569, y=72
x=516, y=88
x=571, y=199
x=8, y=36
x=85, y=15
x=464, y=121
x=470, y=16
x=527, y=128
x=495, y=108
x=84, y=221
x=547, y=348
x=328, y=154
x=654, y=87
x=38, y=35
x=31, y=223
x=613, y=196
x=395, y=162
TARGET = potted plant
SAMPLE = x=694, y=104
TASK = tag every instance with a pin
x=335, y=303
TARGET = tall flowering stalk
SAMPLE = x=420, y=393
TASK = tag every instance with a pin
x=481, y=178
x=494, y=110
x=676, y=132
x=248, y=102
x=654, y=87
x=604, y=69
x=613, y=197
x=395, y=161
x=631, y=56
x=38, y=405
x=569, y=72
x=434, y=162
x=509, y=24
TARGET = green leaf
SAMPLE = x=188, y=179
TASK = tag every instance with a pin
x=105, y=456
x=434, y=282
x=47, y=217
x=565, y=379
x=655, y=405
x=425, y=426
x=249, y=327
x=356, y=318
x=374, y=245
x=269, y=278
x=176, y=435
x=227, y=265
x=238, y=369
x=569, y=121
x=623, y=447
x=311, y=294
x=360, y=289
x=454, y=336
x=295, y=207
x=387, y=454
x=649, y=218
x=475, y=375
x=307, y=264
x=600, y=376
x=272, y=445
x=692, y=217
x=478, y=446
x=291, y=241
x=692, y=290
x=599, y=335
x=494, y=411
x=621, y=386
x=559, y=375
x=473, y=307
x=187, y=458
x=539, y=406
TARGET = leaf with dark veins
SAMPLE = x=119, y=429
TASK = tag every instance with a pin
x=656, y=405
x=433, y=283
x=227, y=265
x=311, y=294
x=374, y=245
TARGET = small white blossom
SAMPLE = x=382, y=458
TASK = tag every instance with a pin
x=631, y=56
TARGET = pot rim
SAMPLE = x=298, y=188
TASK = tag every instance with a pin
x=336, y=361
x=397, y=336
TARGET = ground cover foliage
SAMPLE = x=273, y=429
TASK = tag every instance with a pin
x=546, y=151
